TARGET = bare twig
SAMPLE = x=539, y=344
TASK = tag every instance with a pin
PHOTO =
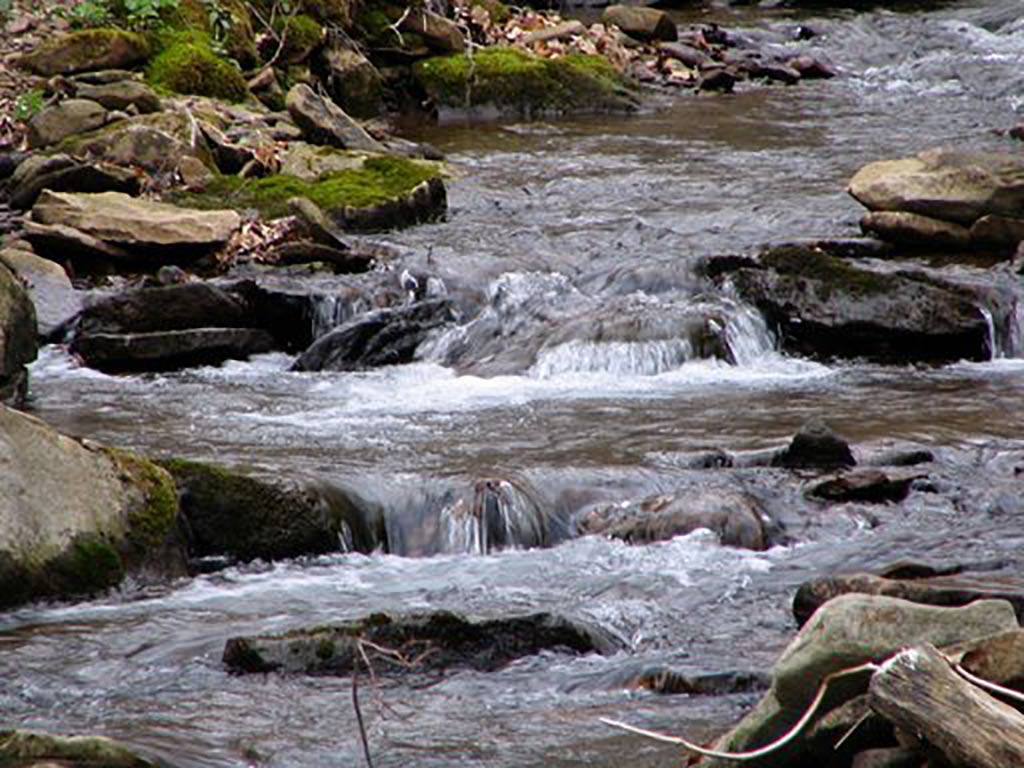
x=359, y=715
x=760, y=751
x=403, y=17
x=988, y=686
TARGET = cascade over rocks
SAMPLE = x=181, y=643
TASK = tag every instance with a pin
x=76, y=519
x=438, y=641
x=383, y=337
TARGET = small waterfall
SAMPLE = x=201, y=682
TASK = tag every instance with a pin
x=623, y=358
x=1015, y=333
x=994, y=351
x=747, y=335
x=329, y=311
x=497, y=515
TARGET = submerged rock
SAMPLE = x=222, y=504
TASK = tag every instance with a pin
x=76, y=519
x=815, y=446
x=228, y=513
x=18, y=345
x=737, y=518
x=435, y=643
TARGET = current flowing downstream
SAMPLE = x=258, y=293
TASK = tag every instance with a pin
x=571, y=226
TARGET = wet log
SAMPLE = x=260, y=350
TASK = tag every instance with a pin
x=918, y=691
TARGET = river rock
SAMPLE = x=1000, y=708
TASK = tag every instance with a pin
x=949, y=590
x=440, y=34
x=890, y=757
x=228, y=513
x=120, y=219
x=65, y=119
x=53, y=297
x=438, y=642
x=194, y=323
x=77, y=251
x=75, y=519
x=304, y=252
x=153, y=142
x=1001, y=232
x=736, y=518
x=642, y=23
x=998, y=659
x=826, y=308
x=324, y=122
x=562, y=31
x=853, y=628
x=383, y=337
x=848, y=631
x=36, y=749
x=18, y=343
x=687, y=54
x=86, y=50
x=952, y=185
x=916, y=231
x=62, y=173
x=815, y=446
x=354, y=83
x=122, y=95
x=870, y=486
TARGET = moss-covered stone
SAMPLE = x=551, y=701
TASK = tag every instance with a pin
x=515, y=81
x=91, y=565
x=302, y=34
x=814, y=264
x=187, y=64
x=379, y=180
x=154, y=519
x=230, y=22
x=22, y=747
x=87, y=50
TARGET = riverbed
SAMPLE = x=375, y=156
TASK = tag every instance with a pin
x=602, y=210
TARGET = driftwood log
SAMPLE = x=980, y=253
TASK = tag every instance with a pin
x=918, y=691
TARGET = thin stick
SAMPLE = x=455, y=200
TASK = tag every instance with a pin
x=992, y=687
x=850, y=731
x=760, y=751
x=359, y=716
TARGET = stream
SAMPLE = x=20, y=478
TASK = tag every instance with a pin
x=592, y=217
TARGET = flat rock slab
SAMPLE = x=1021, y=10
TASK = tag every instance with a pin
x=952, y=590
x=951, y=185
x=435, y=642
x=118, y=218
x=170, y=350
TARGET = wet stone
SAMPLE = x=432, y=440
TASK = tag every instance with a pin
x=431, y=643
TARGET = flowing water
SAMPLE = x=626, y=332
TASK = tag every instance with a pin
x=600, y=366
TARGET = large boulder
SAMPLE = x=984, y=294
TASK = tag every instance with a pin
x=49, y=288
x=18, y=343
x=826, y=307
x=440, y=641
x=383, y=337
x=117, y=218
x=952, y=185
x=76, y=518
x=67, y=118
x=736, y=518
x=353, y=82
x=642, y=23
x=230, y=514
x=324, y=122
x=85, y=51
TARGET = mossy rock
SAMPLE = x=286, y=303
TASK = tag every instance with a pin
x=24, y=747
x=516, y=82
x=831, y=271
x=381, y=180
x=302, y=35
x=187, y=64
x=238, y=37
x=228, y=513
x=87, y=50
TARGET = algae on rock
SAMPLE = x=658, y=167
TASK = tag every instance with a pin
x=514, y=81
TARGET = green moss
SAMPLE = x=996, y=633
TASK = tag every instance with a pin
x=325, y=649
x=302, y=35
x=510, y=78
x=830, y=271
x=187, y=64
x=379, y=180
x=91, y=565
x=154, y=520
